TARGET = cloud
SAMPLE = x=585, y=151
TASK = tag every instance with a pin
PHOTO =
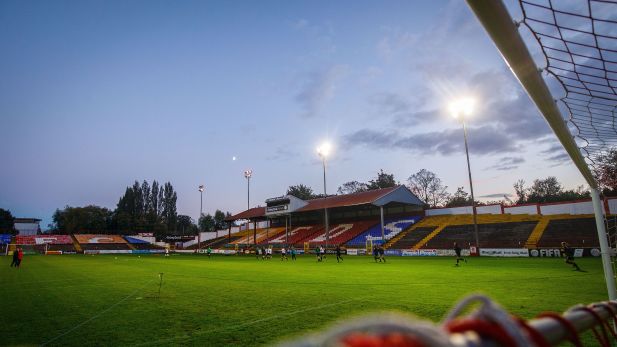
x=507, y=163
x=505, y=119
x=556, y=155
x=317, y=89
x=282, y=153
x=482, y=140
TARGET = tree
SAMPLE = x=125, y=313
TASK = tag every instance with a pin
x=219, y=220
x=383, y=180
x=186, y=225
x=301, y=191
x=7, y=222
x=169, y=213
x=606, y=172
x=521, y=191
x=352, y=187
x=547, y=190
x=206, y=223
x=459, y=198
x=428, y=187
x=87, y=219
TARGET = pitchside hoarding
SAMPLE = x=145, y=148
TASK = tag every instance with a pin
x=504, y=252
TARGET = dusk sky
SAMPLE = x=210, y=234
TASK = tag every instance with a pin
x=97, y=94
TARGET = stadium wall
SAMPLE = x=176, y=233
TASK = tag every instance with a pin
x=570, y=207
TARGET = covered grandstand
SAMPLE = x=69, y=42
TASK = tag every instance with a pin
x=287, y=220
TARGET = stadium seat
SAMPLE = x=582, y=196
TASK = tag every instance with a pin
x=392, y=227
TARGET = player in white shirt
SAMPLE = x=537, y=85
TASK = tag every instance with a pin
x=283, y=254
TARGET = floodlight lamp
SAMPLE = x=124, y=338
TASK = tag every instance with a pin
x=462, y=107
x=248, y=173
x=324, y=149
x=201, y=188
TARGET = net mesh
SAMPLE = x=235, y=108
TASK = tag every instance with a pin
x=579, y=41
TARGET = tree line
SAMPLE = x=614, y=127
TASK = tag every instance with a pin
x=429, y=188
x=142, y=208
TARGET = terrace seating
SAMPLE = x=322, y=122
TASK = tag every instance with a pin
x=392, y=227
x=491, y=235
x=578, y=232
x=296, y=235
x=411, y=238
x=340, y=233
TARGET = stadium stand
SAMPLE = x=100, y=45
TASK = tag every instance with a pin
x=261, y=234
x=297, y=235
x=493, y=235
x=392, y=227
x=495, y=231
x=94, y=242
x=138, y=244
x=578, y=232
x=43, y=243
x=340, y=233
x=411, y=238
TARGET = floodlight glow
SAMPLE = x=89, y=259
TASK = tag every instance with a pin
x=248, y=173
x=233, y=158
x=324, y=149
x=462, y=107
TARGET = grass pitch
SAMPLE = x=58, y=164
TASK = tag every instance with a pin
x=238, y=300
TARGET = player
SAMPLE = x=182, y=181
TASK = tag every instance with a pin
x=283, y=254
x=459, y=258
x=322, y=253
x=293, y=253
x=569, y=253
x=166, y=252
x=375, y=253
x=269, y=252
x=209, y=252
x=318, y=253
x=338, y=253
x=15, y=262
x=382, y=256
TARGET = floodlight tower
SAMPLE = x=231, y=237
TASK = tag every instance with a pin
x=247, y=174
x=201, y=213
x=461, y=109
x=323, y=151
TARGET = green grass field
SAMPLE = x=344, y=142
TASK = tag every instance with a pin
x=237, y=300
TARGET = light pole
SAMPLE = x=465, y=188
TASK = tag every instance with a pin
x=201, y=213
x=247, y=174
x=460, y=109
x=323, y=151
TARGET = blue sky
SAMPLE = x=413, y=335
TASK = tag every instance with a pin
x=96, y=94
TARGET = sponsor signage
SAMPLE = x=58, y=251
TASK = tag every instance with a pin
x=352, y=251
x=179, y=238
x=557, y=253
x=504, y=252
x=419, y=252
x=146, y=234
x=277, y=208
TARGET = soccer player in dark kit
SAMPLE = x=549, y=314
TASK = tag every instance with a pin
x=338, y=253
x=569, y=253
x=457, y=250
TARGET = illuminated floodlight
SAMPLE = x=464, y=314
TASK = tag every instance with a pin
x=462, y=107
x=324, y=149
